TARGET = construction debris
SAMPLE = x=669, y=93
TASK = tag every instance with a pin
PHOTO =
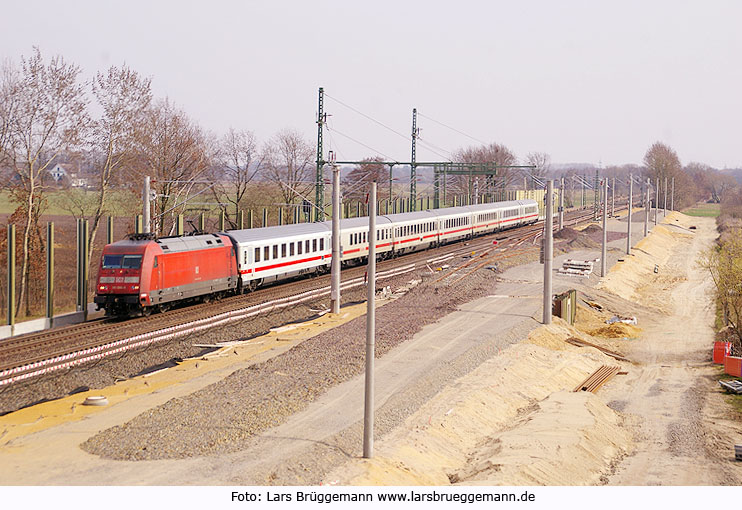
x=597, y=379
x=582, y=268
x=624, y=320
x=582, y=343
x=732, y=386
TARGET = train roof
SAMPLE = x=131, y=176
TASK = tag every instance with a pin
x=189, y=243
x=277, y=232
x=358, y=222
x=411, y=216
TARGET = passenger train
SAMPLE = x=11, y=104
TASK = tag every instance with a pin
x=140, y=274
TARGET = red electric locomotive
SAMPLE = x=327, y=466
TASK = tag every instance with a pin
x=139, y=274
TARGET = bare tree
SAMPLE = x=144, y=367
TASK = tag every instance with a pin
x=356, y=182
x=9, y=87
x=541, y=161
x=123, y=97
x=289, y=162
x=174, y=151
x=48, y=118
x=662, y=162
x=493, y=153
x=238, y=162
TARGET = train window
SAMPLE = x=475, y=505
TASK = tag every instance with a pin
x=155, y=263
x=275, y=251
x=131, y=262
x=306, y=246
x=112, y=261
x=365, y=237
x=314, y=245
x=257, y=255
x=283, y=250
x=322, y=244
x=291, y=249
x=299, y=246
x=266, y=253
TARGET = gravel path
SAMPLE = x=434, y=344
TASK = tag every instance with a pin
x=222, y=417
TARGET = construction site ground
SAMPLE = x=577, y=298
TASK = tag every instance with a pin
x=483, y=396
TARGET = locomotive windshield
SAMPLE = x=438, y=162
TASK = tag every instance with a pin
x=122, y=261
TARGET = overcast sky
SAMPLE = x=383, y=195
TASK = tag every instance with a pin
x=584, y=81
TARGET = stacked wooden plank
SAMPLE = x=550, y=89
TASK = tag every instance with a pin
x=597, y=379
x=572, y=267
x=582, y=343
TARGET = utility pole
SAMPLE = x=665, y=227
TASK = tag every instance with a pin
x=145, y=205
x=672, y=195
x=335, y=262
x=10, y=292
x=664, y=212
x=647, y=207
x=413, y=167
x=628, y=223
x=368, y=415
x=561, y=203
x=604, y=249
x=548, y=250
x=656, y=200
x=613, y=198
x=319, y=182
x=596, y=196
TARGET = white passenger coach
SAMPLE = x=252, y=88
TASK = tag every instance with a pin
x=270, y=254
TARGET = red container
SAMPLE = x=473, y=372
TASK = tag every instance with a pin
x=721, y=351
x=733, y=366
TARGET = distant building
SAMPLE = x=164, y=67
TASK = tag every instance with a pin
x=58, y=173
x=64, y=177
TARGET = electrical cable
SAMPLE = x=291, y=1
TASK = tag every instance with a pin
x=406, y=137
x=451, y=128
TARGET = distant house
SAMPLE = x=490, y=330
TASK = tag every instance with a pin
x=60, y=175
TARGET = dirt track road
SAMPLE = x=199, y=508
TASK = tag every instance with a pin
x=671, y=396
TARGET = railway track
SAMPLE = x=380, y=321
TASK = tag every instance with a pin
x=33, y=355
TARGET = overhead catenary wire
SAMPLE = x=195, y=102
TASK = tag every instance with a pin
x=451, y=128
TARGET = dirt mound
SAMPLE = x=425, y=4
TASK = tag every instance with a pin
x=567, y=233
x=617, y=330
x=583, y=242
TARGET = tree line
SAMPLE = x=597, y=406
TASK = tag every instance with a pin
x=115, y=126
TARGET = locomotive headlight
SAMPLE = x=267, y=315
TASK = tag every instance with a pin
x=135, y=287
x=103, y=287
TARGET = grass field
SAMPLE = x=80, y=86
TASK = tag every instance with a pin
x=707, y=210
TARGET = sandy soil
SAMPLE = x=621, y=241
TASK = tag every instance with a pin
x=514, y=420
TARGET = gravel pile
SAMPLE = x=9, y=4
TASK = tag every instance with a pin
x=222, y=417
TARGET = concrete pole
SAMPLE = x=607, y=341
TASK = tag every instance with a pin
x=672, y=195
x=335, y=262
x=604, y=247
x=561, y=203
x=222, y=220
x=656, y=200
x=109, y=231
x=548, y=250
x=628, y=223
x=201, y=222
x=11, y=276
x=664, y=209
x=613, y=198
x=646, y=210
x=368, y=415
x=145, y=205
x=179, y=228
x=50, y=270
